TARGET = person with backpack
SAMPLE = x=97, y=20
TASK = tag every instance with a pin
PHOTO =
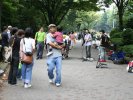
x=104, y=45
x=40, y=37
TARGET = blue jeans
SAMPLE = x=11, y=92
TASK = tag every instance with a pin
x=40, y=47
x=102, y=53
x=53, y=63
x=27, y=72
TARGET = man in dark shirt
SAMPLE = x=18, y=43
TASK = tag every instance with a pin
x=5, y=43
x=104, y=44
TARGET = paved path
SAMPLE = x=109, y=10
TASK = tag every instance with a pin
x=80, y=81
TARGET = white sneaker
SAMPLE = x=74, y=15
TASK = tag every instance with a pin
x=57, y=84
x=88, y=58
x=27, y=86
x=51, y=81
x=91, y=59
x=49, y=53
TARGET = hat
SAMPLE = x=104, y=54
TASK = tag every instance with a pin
x=9, y=26
x=51, y=25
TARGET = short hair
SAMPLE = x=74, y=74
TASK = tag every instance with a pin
x=4, y=28
x=28, y=32
x=20, y=33
x=14, y=30
x=59, y=28
x=102, y=31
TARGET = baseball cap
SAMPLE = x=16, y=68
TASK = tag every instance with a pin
x=51, y=25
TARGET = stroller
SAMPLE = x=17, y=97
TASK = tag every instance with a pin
x=101, y=63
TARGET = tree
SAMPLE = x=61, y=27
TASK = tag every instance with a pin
x=121, y=6
x=55, y=10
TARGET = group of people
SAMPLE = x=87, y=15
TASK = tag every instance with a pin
x=17, y=42
x=103, y=45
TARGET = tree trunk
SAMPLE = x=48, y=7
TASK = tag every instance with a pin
x=120, y=13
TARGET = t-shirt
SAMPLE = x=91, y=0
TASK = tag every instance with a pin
x=88, y=37
x=59, y=37
x=56, y=52
x=16, y=46
x=104, y=40
x=28, y=44
x=40, y=36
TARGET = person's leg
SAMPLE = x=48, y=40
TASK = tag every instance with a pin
x=89, y=51
x=28, y=73
x=41, y=49
x=51, y=66
x=15, y=70
x=23, y=72
x=58, y=69
x=102, y=54
x=37, y=54
x=10, y=72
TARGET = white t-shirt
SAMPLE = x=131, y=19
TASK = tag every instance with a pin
x=28, y=44
x=88, y=37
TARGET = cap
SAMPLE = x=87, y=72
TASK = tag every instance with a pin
x=51, y=25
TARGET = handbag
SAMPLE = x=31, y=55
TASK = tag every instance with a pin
x=27, y=57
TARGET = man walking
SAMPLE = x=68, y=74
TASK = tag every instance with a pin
x=54, y=60
x=40, y=39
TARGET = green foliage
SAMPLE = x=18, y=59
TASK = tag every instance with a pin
x=117, y=41
x=113, y=32
x=127, y=36
x=129, y=23
x=117, y=35
x=128, y=49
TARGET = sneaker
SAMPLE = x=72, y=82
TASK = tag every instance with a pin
x=88, y=58
x=58, y=84
x=91, y=59
x=51, y=81
x=49, y=53
x=27, y=86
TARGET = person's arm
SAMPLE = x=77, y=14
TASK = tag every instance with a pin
x=36, y=35
x=33, y=46
x=21, y=49
x=49, y=42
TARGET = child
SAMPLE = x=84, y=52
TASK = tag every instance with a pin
x=58, y=38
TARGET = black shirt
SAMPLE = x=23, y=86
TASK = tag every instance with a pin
x=104, y=40
x=16, y=46
x=4, y=39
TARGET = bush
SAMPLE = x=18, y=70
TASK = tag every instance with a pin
x=129, y=23
x=127, y=36
x=113, y=32
x=117, y=41
x=128, y=49
x=117, y=35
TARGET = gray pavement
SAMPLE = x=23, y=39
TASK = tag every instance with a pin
x=80, y=81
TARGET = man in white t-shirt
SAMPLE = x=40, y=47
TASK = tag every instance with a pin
x=88, y=43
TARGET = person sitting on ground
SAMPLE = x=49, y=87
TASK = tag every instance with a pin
x=59, y=39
